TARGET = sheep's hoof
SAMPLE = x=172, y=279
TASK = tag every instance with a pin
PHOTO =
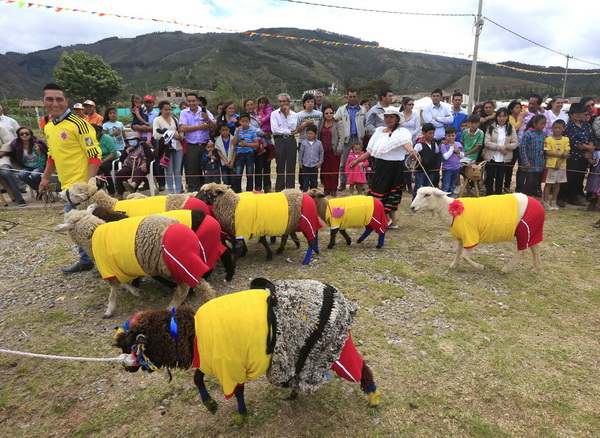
x=211, y=405
x=107, y=316
x=330, y=246
x=269, y=257
x=536, y=270
x=479, y=267
x=228, y=278
x=453, y=265
x=293, y=396
x=279, y=251
x=360, y=241
x=348, y=242
x=379, y=247
x=239, y=420
x=297, y=244
x=506, y=270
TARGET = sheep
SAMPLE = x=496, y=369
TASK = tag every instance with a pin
x=249, y=215
x=293, y=331
x=138, y=246
x=497, y=218
x=207, y=230
x=81, y=195
x=351, y=211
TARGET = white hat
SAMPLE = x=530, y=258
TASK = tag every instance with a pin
x=168, y=136
x=130, y=134
x=393, y=110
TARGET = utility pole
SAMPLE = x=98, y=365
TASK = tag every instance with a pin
x=477, y=27
x=565, y=80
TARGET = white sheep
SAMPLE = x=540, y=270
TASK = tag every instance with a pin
x=497, y=218
x=140, y=246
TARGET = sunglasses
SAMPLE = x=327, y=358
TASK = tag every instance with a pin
x=328, y=114
x=410, y=104
x=24, y=134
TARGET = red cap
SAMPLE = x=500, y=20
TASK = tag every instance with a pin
x=148, y=97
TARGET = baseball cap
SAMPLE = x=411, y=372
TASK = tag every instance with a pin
x=148, y=97
x=89, y=102
x=78, y=106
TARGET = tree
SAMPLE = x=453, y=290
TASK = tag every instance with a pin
x=224, y=91
x=84, y=76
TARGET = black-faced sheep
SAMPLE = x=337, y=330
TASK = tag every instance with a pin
x=206, y=227
x=349, y=212
x=292, y=331
x=81, y=195
x=248, y=215
x=497, y=218
x=140, y=246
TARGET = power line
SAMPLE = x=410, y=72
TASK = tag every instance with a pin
x=378, y=10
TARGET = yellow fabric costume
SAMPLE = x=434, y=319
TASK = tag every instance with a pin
x=486, y=220
x=231, y=336
x=183, y=216
x=142, y=207
x=358, y=211
x=261, y=215
x=114, y=249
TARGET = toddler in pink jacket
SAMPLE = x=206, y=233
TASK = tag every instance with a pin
x=357, y=176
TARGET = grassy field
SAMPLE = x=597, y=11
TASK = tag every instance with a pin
x=456, y=353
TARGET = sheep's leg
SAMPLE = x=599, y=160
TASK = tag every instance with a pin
x=368, y=386
x=466, y=257
x=332, y=235
x=228, y=264
x=457, y=257
x=510, y=266
x=295, y=239
x=293, y=395
x=204, y=291
x=134, y=290
x=112, y=298
x=282, y=244
x=180, y=294
x=364, y=235
x=165, y=282
x=263, y=241
x=380, y=241
x=240, y=418
x=240, y=248
x=346, y=236
x=207, y=400
x=273, y=240
x=537, y=260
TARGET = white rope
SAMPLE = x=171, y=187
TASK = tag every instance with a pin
x=121, y=357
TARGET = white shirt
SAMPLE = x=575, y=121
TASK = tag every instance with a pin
x=11, y=124
x=388, y=146
x=282, y=125
x=499, y=156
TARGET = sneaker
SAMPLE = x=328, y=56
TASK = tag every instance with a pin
x=341, y=188
x=22, y=203
x=561, y=203
x=78, y=267
x=546, y=205
x=507, y=190
x=553, y=206
x=129, y=187
x=161, y=188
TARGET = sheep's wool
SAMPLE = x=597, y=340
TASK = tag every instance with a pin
x=142, y=207
x=486, y=220
x=313, y=319
x=358, y=211
x=261, y=215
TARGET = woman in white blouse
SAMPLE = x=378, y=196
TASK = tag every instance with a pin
x=166, y=121
x=500, y=142
x=389, y=146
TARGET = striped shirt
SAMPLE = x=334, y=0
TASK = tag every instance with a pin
x=247, y=135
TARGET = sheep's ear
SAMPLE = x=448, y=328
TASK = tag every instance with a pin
x=438, y=192
x=262, y=283
x=63, y=228
x=219, y=191
x=91, y=208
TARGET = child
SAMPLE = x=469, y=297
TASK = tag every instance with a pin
x=357, y=176
x=310, y=158
x=113, y=127
x=246, y=140
x=226, y=153
x=531, y=153
x=428, y=150
x=592, y=187
x=211, y=164
x=472, y=139
x=139, y=117
x=557, y=151
x=452, y=152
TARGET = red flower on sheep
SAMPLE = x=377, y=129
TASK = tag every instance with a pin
x=456, y=208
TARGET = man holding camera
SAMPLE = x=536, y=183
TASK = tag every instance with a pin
x=196, y=123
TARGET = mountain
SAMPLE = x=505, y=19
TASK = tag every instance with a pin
x=270, y=65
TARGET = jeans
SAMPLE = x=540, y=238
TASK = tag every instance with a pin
x=228, y=175
x=83, y=257
x=422, y=181
x=11, y=180
x=309, y=178
x=449, y=178
x=173, y=172
x=32, y=177
x=245, y=159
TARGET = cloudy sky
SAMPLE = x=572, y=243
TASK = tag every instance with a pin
x=552, y=23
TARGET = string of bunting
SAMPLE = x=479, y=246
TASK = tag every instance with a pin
x=21, y=4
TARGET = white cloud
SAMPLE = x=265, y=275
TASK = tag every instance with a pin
x=549, y=23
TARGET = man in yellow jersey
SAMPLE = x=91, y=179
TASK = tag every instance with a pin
x=72, y=151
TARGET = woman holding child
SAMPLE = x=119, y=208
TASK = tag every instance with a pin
x=331, y=134
x=174, y=153
x=389, y=146
x=262, y=166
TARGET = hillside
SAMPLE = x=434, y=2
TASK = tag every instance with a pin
x=267, y=65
